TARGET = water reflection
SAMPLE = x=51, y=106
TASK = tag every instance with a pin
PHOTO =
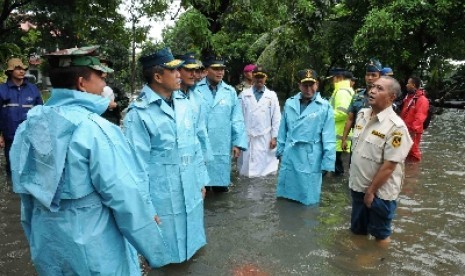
x=250, y=232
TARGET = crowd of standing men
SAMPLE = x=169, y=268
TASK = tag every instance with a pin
x=178, y=138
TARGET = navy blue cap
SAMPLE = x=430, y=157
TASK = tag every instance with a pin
x=163, y=58
x=374, y=65
x=212, y=60
x=307, y=75
x=387, y=71
x=260, y=72
x=337, y=71
x=348, y=74
x=189, y=61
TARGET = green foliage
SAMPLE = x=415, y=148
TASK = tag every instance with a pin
x=191, y=33
x=411, y=36
x=247, y=32
x=7, y=50
x=414, y=36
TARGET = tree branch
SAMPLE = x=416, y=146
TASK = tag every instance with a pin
x=9, y=7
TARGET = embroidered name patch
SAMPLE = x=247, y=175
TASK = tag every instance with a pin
x=379, y=134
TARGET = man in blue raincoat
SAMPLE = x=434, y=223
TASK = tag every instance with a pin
x=187, y=74
x=306, y=142
x=162, y=128
x=225, y=122
x=84, y=195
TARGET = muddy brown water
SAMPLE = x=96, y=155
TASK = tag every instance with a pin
x=250, y=232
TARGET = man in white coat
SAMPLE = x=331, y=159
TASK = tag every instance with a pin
x=262, y=116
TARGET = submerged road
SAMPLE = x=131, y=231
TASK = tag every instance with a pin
x=250, y=232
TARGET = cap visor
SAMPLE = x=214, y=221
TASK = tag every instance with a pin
x=260, y=75
x=11, y=68
x=191, y=66
x=217, y=65
x=307, y=80
x=102, y=68
x=175, y=63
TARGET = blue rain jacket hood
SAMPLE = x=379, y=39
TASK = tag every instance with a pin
x=40, y=169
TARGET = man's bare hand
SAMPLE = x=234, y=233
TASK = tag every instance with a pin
x=236, y=152
x=204, y=192
x=112, y=105
x=273, y=143
x=368, y=199
x=344, y=145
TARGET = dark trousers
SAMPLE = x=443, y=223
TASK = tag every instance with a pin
x=375, y=220
x=8, y=144
x=339, y=166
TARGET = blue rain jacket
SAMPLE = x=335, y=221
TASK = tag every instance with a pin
x=15, y=102
x=84, y=195
x=307, y=146
x=196, y=100
x=225, y=125
x=166, y=140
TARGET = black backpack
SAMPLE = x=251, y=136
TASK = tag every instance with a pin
x=430, y=113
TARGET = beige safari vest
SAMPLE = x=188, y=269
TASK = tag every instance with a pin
x=376, y=139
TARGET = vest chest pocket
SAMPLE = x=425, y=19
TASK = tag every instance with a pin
x=373, y=148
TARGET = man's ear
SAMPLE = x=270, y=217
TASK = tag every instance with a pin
x=393, y=96
x=157, y=78
x=80, y=84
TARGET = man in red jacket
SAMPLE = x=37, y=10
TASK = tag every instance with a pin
x=414, y=112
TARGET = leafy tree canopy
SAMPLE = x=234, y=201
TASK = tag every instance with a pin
x=414, y=37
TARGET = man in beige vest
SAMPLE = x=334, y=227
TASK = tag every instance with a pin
x=380, y=145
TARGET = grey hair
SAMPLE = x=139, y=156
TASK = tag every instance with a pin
x=150, y=71
x=394, y=86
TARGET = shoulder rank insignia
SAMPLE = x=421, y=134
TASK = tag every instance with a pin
x=396, y=133
x=358, y=127
x=379, y=134
x=396, y=140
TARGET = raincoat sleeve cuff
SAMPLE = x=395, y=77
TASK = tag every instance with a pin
x=328, y=165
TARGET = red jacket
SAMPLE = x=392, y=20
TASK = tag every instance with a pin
x=415, y=110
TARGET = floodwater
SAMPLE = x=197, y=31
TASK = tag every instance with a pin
x=250, y=232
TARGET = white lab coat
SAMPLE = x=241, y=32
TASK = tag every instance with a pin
x=262, y=120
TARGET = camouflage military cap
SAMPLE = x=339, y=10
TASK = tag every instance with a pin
x=79, y=57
